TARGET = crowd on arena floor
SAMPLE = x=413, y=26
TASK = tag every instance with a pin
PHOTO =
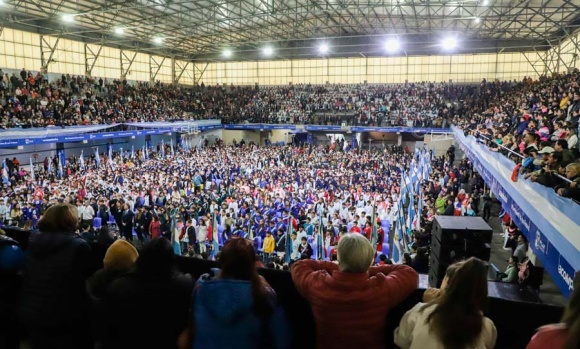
x=246, y=183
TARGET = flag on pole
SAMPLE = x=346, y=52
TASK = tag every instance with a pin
x=97, y=157
x=31, y=170
x=146, y=152
x=172, y=152
x=49, y=165
x=132, y=152
x=215, y=238
x=288, y=241
x=374, y=231
x=60, y=171
x=121, y=154
x=110, y=154
x=5, y=178
x=319, y=239
x=82, y=161
x=162, y=149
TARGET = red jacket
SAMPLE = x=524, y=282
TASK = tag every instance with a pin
x=550, y=336
x=155, y=229
x=351, y=309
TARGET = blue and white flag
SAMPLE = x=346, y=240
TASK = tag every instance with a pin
x=60, y=171
x=5, y=178
x=49, y=165
x=31, y=170
x=132, y=152
x=146, y=153
x=288, y=252
x=97, y=157
x=110, y=154
x=172, y=152
x=162, y=149
x=82, y=161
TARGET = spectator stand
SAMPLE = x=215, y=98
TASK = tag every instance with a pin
x=550, y=227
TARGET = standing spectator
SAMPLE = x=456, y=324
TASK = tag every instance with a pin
x=155, y=228
x=268, y=244
x=304, y=249
x=250, y=319
x=522, y=248
x=566, y=334
x=153, y=295
x=127, y=220
x=54, y=304
x=332, y=290
x=427, y=324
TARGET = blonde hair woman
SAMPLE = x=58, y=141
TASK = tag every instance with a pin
x=344, y=296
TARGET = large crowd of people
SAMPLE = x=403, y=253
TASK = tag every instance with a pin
x=132, y=213
x=31, y=100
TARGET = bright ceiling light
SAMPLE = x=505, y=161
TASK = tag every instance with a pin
x=227, y=53
x=119, y=31
x=268, y=50
x=158, y=40
x=323, y=48
x=484, y=3
x=392, y=45
x=477, y=20
x=449, y=43
x=68, y=18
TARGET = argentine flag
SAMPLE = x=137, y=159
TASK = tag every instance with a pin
x=31, y=170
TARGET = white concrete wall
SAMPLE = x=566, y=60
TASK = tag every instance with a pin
x=24, y=155
x=247, y=135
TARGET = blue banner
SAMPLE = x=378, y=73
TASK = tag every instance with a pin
x=323, y=128
x=550, y=223
x=258, y=127
x=401, y=129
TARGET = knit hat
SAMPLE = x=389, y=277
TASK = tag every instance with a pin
x=121, y=255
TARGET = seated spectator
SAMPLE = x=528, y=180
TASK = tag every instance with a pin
x=566, y=334
x=153, y=295
x=54, y=306
x=572, y=189
x=427, y=324
x=235, y=307
x=332, y=290
x=511, y=272
x=421, y=261
x=432, y=293
x=119, y=259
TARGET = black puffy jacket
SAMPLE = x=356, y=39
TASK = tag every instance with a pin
x=55, y=271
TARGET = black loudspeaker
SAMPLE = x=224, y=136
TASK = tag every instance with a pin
x=455, y=239
x=451, y=230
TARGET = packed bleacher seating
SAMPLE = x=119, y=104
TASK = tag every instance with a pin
x=536, y=124
x=30, y=100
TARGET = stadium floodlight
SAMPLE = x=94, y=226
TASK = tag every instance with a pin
x=158, y=40
x=227, y=53
x=477, y=20
x=484, y=3
x=268, y=50
x=392, y=45
x=68, y=18
x=323, y=48
x=449, y=43
x=119, y=31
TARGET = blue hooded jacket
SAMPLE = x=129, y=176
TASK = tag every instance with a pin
x=224, y=318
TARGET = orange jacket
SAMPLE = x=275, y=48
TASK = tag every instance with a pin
x=351, y=309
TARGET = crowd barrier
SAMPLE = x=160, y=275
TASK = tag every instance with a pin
x=550, y=222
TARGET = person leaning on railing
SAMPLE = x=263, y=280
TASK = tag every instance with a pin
x=571, y=189
x=350, y=300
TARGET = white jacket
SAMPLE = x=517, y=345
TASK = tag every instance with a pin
x=413, y=331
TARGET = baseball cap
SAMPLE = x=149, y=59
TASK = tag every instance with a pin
x=546, y=150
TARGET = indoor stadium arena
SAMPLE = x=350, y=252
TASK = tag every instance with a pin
x=299, y=174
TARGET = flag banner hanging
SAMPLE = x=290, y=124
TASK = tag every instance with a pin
x=288, y=241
